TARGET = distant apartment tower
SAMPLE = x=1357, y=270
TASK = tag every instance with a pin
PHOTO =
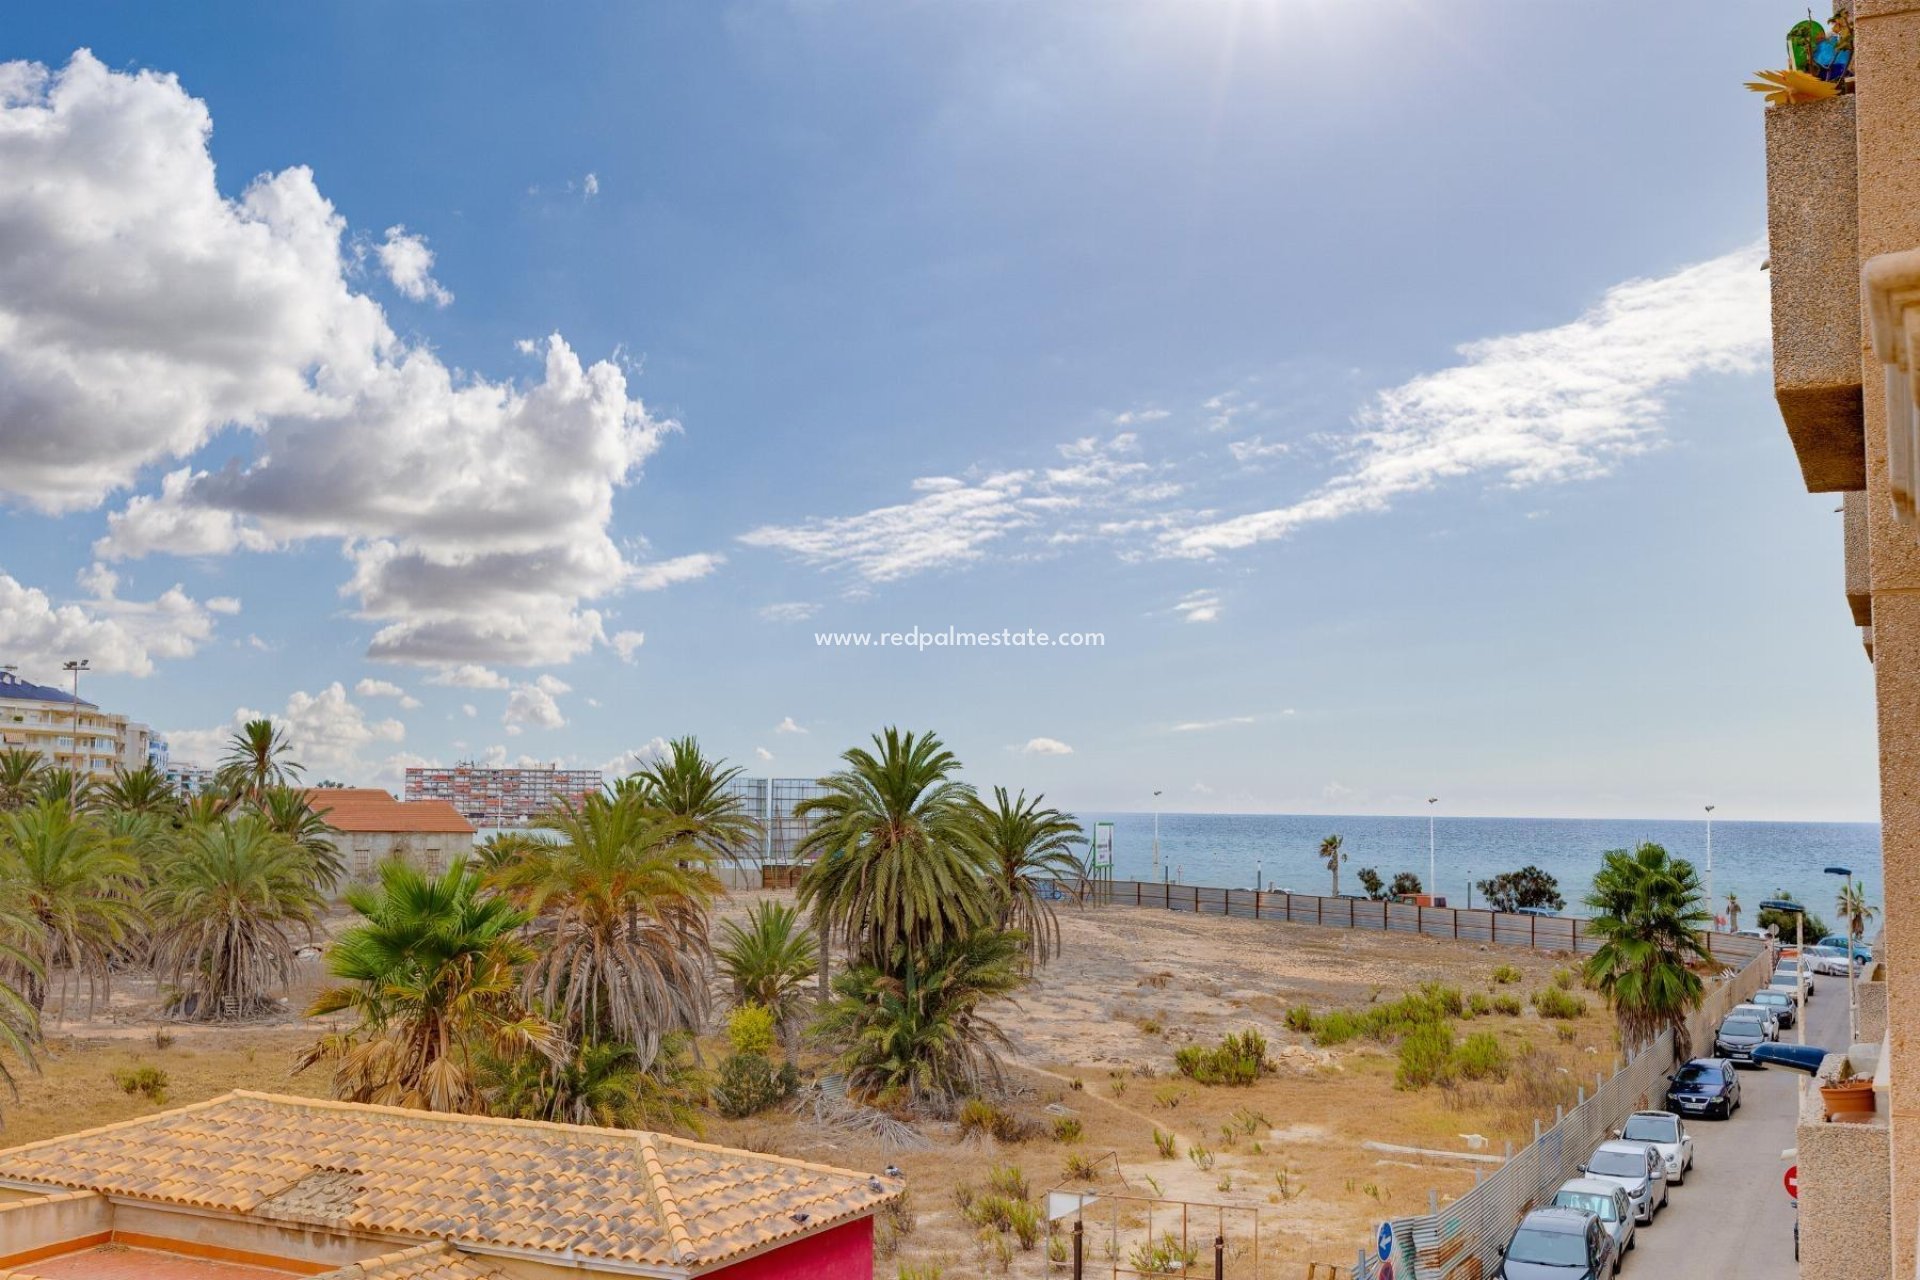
x=70, y=732
x=771, y=802
x=187, y=779
x=501, y=797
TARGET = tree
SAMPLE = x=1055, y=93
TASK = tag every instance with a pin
x=1733, y=911
x=1025, y=847
x=504, y=848
x=1650, y=917
x=1527, y=887
x=1330, y=853
x=618, y=910
x=1784, y=923
x=769, y=961
x=258, y=756
x=290, y=814
x=20, y=771
x=432, y=975
x=223, y=905
x=1855, y=913
x=688, y=794
x=599, y=1083
x=77, y=884
x=19, y=967
x=143, y=790
x=1370, y=881
x=898, y=866
x=1405, y=885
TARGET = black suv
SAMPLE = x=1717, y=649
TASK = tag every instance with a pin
x=1705, y=1087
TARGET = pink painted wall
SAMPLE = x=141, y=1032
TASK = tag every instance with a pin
x=844, y=1253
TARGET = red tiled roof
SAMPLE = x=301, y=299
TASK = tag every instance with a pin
x=369, y=809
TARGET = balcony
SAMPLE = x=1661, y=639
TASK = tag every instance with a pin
x=1813, y=238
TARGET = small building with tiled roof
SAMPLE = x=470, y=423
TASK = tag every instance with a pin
x=373, y=826
x=253, y=1186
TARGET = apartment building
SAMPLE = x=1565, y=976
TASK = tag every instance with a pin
x=71, y=732
x=501, y=797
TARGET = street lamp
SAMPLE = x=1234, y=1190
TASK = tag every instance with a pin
x=1853, y=1013
x=1433, y=879
x=1156, y=833
x=1712, y=905
x=74, y=666
x=1799, y=914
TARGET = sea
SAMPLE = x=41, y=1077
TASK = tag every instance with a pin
x=1753, y=860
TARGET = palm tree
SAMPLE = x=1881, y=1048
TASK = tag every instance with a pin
x=143, y=790
x=769, y=962
x=432, y=974
x=600, y=1083
x=1733, y=912
x=504, y=848
x=19, y=965
x=1331, y=854
x=75, y=790
x=1856, y=916
x=921, y=1036
x=20, y=770
x=77, y=883
x=897, y=862
x=688, y=793
x=1651, y=917
x=223, y=906
x=290, y=813
x=257, y=757
x=1027, y=845
x=619, y=920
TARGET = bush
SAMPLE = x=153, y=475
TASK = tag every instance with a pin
x=1506, y=974
x=1507, y=1004
x=1336, y=1027
x=894, y=1222
x=1068, y=1129
x=1239, y=1059
x=1009, y=1181
x=1025, y=1223
x=992, y=1210
x=1564, y=979
x=977, y=1115
x=1300, y=1018
x=1081, y=1168
x=750, y=1029
x=1426, y=1057
x=750, y=1083
x=1169, y=1145
x=1552, y=1002
x=1481, y=1056
x=1478, y=1006
x=148, y=1081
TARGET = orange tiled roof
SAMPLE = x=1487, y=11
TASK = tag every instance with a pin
x=618, y=1195
x=422, y=1262
x=369, y=809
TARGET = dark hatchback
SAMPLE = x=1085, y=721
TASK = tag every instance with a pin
x=1559, y=1244
x=1705, y=1087
x=1738, y=1037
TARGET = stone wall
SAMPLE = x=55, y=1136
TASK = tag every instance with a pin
x=1846, y=1202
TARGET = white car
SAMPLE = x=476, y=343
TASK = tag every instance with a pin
x=1831, y=961
x=1637, y=1169
x=1666, y=1133
x=1787, y=971
x=1766, y=1015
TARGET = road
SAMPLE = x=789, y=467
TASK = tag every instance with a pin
x=1733, y=1218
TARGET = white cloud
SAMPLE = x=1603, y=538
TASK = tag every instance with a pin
x=326, y=730
x=627, y=643
x=1046, y=747
x=1201, y=726
x=1138, y=417
x=626, y=762
x=533, y=704
x=371, y=688
x=590, y=185
x=409, y=264
x=654, y=575
x=1257, y=449
x=256, y=643
x=1201, y=788
x=468, y=710
x=223, y=604
x=142, y=313
x=1199, y=606
x=788, y=611
x=787, y=725
x=1534, y=408
x=469, y=675
x=119, y=637
x=763, y=755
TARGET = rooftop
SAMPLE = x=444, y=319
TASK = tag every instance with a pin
x=121, y=1262
x=370, y=809
x=12, y=686
x=625, y=1197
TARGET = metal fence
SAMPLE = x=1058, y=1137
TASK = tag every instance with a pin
x=1461, y=1241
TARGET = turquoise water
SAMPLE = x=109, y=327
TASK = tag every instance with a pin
x=1752, y=859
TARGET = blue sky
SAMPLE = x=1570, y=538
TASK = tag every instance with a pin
x=1386, y=383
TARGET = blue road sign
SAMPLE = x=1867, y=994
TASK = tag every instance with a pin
x=1383, y=1241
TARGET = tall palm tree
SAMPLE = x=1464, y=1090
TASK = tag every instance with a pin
x=768, y=962
x=1856, y=915
x=897, y=864
x=79, y=886
x=1733, y=912
x=1027, y=845
x=1651, y=917
x=432, y=976
x=688, y=792
x=19, y=963
x=619, y=922
x=142, y=790
x=290, y=813
x=1333, y=856
x=223, y=907
x=20, y=770
x=258, y=756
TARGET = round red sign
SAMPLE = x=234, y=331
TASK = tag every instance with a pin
x=1792, y=1180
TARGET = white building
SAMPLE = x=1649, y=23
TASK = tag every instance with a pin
x=69, y=732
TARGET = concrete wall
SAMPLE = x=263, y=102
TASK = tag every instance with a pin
x=1845, y=1192
x=225, y=1236
x=45, y=1225
x=432, y=851
x=1872, y=997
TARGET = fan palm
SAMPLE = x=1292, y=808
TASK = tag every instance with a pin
x=143, y=790
x=769, y=961
x=258, y=756
x=223, y=907
x=689, y=795
x=1856, y=915
x=1333, y=856
x=897, y=864
x=1027, y=845
x=432, y=975
x=289, y=812
x=619, y=918
x=77, y=883
x=1650, y=916
x=20, y=770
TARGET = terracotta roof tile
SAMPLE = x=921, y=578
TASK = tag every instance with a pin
x=423, y=1262
x=370, y=809
x=615, y=1194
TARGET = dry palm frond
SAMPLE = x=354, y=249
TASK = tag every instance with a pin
x=1785, y=87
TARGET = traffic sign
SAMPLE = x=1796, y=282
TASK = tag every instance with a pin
x=1793, y=1181
x=1385, y=1272
x=1383, y=1241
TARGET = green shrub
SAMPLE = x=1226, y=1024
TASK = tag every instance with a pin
x=1564, y=979
x=978, y=1115
x=1068, y=1129
x=750, y=1083
x=1555, y=1002
x=1165, y=1256
x=149, y=1082
x=894, y=1222
x=1506, y=974
x=1168, y=1096
x=921, y=1271
x=1081, y=1168
x=1336, y=1027
x=992, y=1209
x=750, y=1029
x=1478, y=1006
x=1426, y=1057
x=1026, y=1224
x=1300, y=1018
x=1009, y=1181
x=1507, y=1004
x=1481, y=1056
x=1169, y=1145
x=1239, y=1059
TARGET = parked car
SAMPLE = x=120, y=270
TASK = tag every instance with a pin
x=1558, y=1244
x=1666, y=1133
x=1737, y=1036
x=1761, y=1012
x=1781, y=1003
x=1831, y=961
x=1705, y=1087
x=1605, y=1201
x=1786, y=970
x=1862, y=953
x=1636, y=1169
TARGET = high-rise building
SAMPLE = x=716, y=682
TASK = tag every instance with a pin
x=501, y=797
x=771, y=802
x=69, y=732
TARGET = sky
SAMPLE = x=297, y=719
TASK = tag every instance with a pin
x=1384, y=386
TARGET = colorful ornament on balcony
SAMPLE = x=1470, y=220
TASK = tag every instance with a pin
x=1802, y=39
x=1784, y=87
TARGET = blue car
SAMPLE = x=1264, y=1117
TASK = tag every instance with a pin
x=1862, y=953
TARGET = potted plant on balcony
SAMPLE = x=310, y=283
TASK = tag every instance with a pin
x=1848, y=1093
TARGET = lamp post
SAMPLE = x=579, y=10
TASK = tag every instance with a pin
x=1433, y=878
x=74, y=666
x=1713, y=905
x=1156, y=833
x=1853, y=1012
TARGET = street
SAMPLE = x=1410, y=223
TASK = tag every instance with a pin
x=1733, y=1217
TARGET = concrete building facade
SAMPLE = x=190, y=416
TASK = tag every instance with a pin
x=513, y=797
x=71, y=733
x=372, y=826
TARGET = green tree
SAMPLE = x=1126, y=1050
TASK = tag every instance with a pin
x=19, y=967
x=1370, y=881
x=223, y=906
x=143, y=790
x=1856, y=915
x=1783, y=922
x=768, y=962
x=77, y=884
x=688, y=796
x=897, y=864
x=504, y=848
x=258, y=756
x=1527, y=887
x=1650, y=915
x=1405, y=885
x=1028, y=846
x=600, y=1083
x=20, y=770
x=1333, y=856
x=290, y=813
x=432, y=974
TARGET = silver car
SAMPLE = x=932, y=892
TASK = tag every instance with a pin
x=1637, y=1169
x=1605, y=1201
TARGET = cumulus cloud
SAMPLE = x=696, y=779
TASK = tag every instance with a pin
x=533, y=704
x=143, y=312
x=590, y=185
x=787, y=725
x=665, y=573
x=327, y=732
x=763, y=755
x=1199, y=606
x=223, y=604
x=1533, y=408
x=1046, y=747
x=469, y=675
x=788, y=611
x=371, y=688
x=627, y=643
x=409, y=264
x=118, y=636
x=1201, y=726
